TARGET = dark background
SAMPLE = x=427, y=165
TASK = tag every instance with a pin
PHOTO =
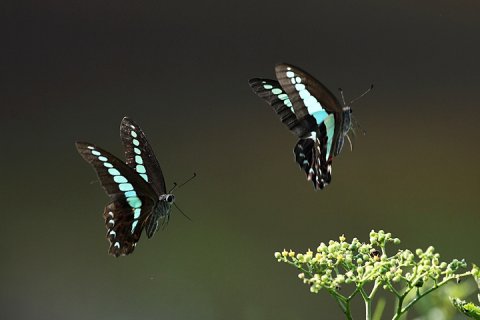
x=70, y=70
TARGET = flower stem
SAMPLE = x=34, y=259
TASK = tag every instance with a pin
x=401, y=310
x=368, y=304
x=343, y=302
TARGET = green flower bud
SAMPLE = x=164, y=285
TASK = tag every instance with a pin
x=340, y=278
x=322, y=247
x=348, y=259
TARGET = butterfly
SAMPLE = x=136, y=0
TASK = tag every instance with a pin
x=312, y=113
x=136, y=187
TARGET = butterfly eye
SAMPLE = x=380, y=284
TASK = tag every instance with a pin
x=170, y=198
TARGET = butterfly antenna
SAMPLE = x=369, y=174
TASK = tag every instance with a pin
x=175, y=185
x=178, y=208
x=360, y=96
x=188, y=180
x=343, y=97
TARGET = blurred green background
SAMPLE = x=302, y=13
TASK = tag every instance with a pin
x=70, y=70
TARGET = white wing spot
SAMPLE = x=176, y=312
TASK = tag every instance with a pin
x=117, y=244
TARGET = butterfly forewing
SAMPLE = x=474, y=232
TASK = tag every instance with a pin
x=116, y=177
x=139, y=155
x=308, y=95
x=273, y=94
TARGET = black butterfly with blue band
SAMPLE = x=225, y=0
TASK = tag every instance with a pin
x=139, y=198
x=313, y=114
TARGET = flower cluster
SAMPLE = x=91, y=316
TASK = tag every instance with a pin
x=408, y=275
x=340, y=262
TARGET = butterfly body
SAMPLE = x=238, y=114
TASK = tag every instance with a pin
x=161, y=212
x=312, y=113
x=136, y=188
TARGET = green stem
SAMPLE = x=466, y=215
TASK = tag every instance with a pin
x=343, y=302
x=368, y=304
x=368, y=299
x=392, y=289
x=374, y=290
x=399, y=307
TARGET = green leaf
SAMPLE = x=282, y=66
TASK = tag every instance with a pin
x=377, y=314
x=467, y=308
x=476, y=276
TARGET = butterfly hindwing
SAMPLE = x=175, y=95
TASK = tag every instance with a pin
x=309, y=154
x=140, y=156
x=125, y=224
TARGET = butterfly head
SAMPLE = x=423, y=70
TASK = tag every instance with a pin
x=168, y=198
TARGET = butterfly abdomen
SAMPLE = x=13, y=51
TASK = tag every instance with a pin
x=160, y=213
